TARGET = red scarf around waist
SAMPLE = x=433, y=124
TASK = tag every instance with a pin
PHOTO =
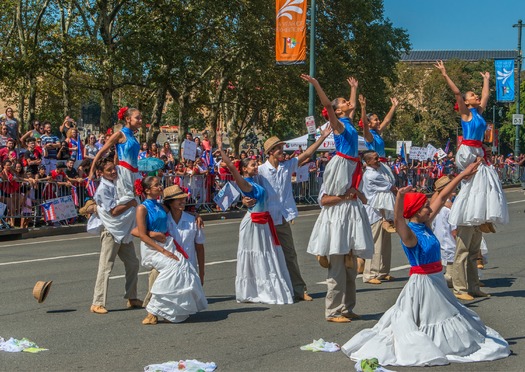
x=477, y=144
x=358, y=173
x=127, y=165
x=383, y=160
x=265, y=218
x=426, y=269
x=179, y=248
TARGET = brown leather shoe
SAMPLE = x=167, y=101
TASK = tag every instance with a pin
x=388, y=226
x=98, y=309
x=323, y=261
x=349, y=261
x=374, y=281
x=338, y=319
x=360, y=265
x=134, y=304
x=464, y=296
x=351, y=315
x=479, y=294
x=307, y=297
x=150, y=319
x=388, y=278
x=480, y=263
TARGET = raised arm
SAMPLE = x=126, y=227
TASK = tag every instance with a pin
x=463, y=110
x=307, y=154
x=244, y=185
x=353, y=95
x=485, y=92
x=113, y=140
x=366, y=128
x=337, y=126
x=390, y=115
x=407, y=236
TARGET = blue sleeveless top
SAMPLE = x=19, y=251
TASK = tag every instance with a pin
x=347, y=142
x=427, y=249
x=129, y=150
x=377, y=144
x=475, y=128
x=157, y=218
x=258, y=193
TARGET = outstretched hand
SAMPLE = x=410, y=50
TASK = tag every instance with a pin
x=352, y=82
x=327, y=130
x=472, y=168
x=441, y=67
x=394, y=101
x=404, y=190
x=308, y=78
x=486, y=75
x=362, y=100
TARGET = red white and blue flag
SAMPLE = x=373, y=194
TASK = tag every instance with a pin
x=209, y=162
x=91, y=188
x=49, y=211
x=74, y=195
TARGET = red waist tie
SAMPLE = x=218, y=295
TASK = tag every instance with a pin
x=179, y=248
x=358, y=173
x=265, y=218
x=426, y=269
x=383, y=160
x=127, y=165
x=476, y=144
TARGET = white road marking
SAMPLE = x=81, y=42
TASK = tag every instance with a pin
x=48, y=258
x=49, y=241
x=398, y=268
x=517, y=201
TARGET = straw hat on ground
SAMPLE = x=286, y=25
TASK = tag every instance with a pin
x=441, y=183
x=173, y=192
x=271, y=143
x=41, y=290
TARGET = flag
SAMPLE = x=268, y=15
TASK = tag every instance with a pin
x=447, y=147
x=74, y=195
x=209, y=162
x=290, y=32
x=504, y=80
x=90, y=187
x=403, y=152
x=49, y=211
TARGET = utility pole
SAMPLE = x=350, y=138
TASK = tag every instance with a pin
x=518, y=58
x=311, y=92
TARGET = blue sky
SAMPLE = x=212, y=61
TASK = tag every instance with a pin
x=458, y=25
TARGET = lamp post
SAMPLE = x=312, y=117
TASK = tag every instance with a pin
x=311, y=92
x=518, y=59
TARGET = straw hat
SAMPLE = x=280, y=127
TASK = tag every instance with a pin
x=271, y=143
x=441, y=183
x=174, y=192
x=41, y=290
x=84, y=210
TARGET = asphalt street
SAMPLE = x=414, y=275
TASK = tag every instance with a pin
x=238, y=337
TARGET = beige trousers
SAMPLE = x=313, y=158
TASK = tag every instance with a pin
x=379, y=266
x=341, y=293
x=465, y=277
x=153, y=274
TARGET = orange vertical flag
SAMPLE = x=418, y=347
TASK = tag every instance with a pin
x=290, y=35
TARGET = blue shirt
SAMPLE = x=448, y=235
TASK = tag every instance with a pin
x=475, y=128
x=51, y=153
x=347, y=142
x=377, y=144
x=427, y=249
x=157, y=218
x=129, y=150
x=258, y=193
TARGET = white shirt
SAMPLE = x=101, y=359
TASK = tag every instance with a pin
x=278, y=185
x=443, y=231
x=187, y=235
x=374, y=182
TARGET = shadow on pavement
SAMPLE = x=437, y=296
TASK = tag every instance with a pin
x=498, y=282
x=217, y=315
x=520, y=293
x=61, y=311
x=215, y=299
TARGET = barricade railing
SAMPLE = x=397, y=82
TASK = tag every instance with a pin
x=28, y=204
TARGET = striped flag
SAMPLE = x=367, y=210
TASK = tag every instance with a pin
x=447, y=147
x=209, y=162
x=49, y=211
x=74, y=195
x=90, y=187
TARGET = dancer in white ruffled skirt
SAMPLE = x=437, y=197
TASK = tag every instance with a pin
x=427, y=325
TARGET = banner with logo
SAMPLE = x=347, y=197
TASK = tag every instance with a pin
x=290, y=33
x=504, y=80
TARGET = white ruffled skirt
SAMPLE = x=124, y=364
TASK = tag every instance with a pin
x=125, y=185
x=427, y=326
x=345, y=226
x=262, y=276
x=383, y=200
x=177, y=292
x=481, y=198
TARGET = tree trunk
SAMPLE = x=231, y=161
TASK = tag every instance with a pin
x=66, y=90
x=158, y=109
x=32, y=99
x=184, y=102
x=106, y=108
x=21, y=108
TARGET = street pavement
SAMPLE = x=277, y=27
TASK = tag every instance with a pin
x=238, y=337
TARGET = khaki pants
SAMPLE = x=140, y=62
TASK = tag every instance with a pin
x=379, y=266
x=341, y=294
x=109, y=251
x=464, y=270
x=153, y=274
x=284, y=233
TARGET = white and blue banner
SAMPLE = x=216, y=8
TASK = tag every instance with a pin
x=504, y=80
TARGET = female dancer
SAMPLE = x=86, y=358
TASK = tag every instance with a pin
x=372, y=133
x=427, y=325
x=481, y=201
x=177, y=292
x=262, y=275
x=342, y=228
x=127, y=152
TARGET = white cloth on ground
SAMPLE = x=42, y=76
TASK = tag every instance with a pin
x=189, y=365
x=322, y=345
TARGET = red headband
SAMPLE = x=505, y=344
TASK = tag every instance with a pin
x=414, y=201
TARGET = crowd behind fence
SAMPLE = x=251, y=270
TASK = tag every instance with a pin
x=24, y=204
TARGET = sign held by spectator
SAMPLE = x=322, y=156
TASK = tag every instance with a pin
x=190, y=150
x=310, y=124
x=226, y=196
x=60, y=209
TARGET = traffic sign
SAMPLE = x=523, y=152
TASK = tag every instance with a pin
x=517, y=119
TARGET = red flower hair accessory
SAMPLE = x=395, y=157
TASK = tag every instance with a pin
x=325, y=113
x=138, y=187
x=361, y=125
x=122, y=113
x=456, y=107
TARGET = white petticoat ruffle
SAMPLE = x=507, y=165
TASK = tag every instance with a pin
x=383, y=200
x=262, y=275
x=177, y=292
x=337, y=176
x=481, y=198
x=427, y=326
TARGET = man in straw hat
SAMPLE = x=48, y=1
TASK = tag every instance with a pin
x=116, y=239
x=276, y=174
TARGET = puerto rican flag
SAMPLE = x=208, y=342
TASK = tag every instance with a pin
x=49, y=212
x=74, y=195
x=209, y=162
x=90, y=187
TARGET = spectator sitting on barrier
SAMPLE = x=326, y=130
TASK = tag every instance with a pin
x=9, y=152
x=59, y=176
x=31, y=158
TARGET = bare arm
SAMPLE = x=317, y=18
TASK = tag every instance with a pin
x=121, y=208
x=407, y=236
x=390, y=115
x=351, y=193
x=353, y=95
x=485, y=92
x=307, y=154
x=244, y=185
x=366, y=128
x=199, y=250
x=143, y=233
x=463, y=110
x=113, y=140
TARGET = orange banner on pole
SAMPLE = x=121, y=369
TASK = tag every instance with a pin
x=290, y=35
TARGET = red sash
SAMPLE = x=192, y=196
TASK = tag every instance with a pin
x=358, y=173
x=127, y=165
x=265, y=218
x=383, y=160
x=426, y=269
x=179, y=248
x=478, y=145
